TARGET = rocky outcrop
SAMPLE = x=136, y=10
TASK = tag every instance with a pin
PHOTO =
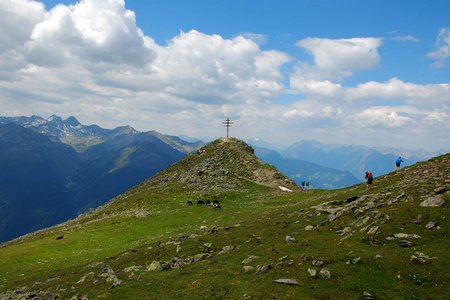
x=225, y=164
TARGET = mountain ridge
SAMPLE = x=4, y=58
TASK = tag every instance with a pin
x=387, y=242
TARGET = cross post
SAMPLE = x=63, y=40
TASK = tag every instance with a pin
x=228, y=123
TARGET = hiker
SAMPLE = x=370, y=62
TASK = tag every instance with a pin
x=303, y=185
x=398, y=162
x=369, y=178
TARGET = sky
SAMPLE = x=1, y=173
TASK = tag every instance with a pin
x=374, y=73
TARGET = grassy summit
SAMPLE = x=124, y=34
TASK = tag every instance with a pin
x=342, y=244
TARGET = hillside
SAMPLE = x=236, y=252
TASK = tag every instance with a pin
x=390, y=241
x=44, y=181
x=33, y=172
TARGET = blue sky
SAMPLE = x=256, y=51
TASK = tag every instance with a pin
x=375, y=73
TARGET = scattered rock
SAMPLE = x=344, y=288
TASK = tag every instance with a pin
x=420, y=258
x=110, y=276
x=325, y=273
x=355, y=260
x=433, y=201
x=441, y=190
x=309, y=227
x=285, y=189
x=418, y=219
x=248, y=269
x=207, y=247
x=379, y=256
x=404, y=243
x=250, y=259
x=351, y=199
x=318, y=263
x=287, y=281
x=155, y=266
x=289, y=239
x=400, y=196
x=368, y=296
x=228, y=249
x=373, y=230
x=261, y=269
x=312, y=272
x=432, y=225
x=83, y=279
x=283, y=258
x=406, y=236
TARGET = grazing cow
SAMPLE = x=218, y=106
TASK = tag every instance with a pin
x=200, y=202
x=60, y=237
x=216, y=204
x=208, y=202
x=188, y=202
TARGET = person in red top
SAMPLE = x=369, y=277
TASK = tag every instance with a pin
x=369, y=178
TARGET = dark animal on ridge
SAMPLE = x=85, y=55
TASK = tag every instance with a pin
x=60, y=237
x=188, y=202
x=216, y=204
x=200, y=202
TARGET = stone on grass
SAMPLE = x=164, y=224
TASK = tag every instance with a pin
x=228, y=249
x=289, y=239
x=418, y=219
x=287, y=281
x=431, y=225
x=261, y=269
x=248, y=269
x=433, y=201
x=318, y=263
x=441, y=189
x=250, y=259
x=325, y=273
x=132, y=269
x=406, y=236
x=155, y=266
x=420, y=258
x=355, y=260
x=83, y=279
x=368, y=296
x=404, y=243
x=312, y=272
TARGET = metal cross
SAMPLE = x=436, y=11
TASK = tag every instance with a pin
x=228, y=123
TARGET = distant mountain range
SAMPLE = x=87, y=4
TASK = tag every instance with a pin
x=43, y=180
x=355, y=159
x=53, y=169
x=318, y=177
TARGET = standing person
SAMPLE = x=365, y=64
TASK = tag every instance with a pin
x=369, y=178
x=398, y=162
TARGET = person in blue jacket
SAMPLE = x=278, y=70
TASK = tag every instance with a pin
x=398, y=162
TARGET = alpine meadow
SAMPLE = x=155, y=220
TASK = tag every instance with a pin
x=256, y=149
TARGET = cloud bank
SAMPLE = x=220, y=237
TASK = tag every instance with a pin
x=91, y=60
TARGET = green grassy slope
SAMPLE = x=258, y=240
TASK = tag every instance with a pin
x=149, y=244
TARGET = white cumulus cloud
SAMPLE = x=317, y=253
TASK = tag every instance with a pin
x=442, y=53
x=381, y=117
x=336, y=59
